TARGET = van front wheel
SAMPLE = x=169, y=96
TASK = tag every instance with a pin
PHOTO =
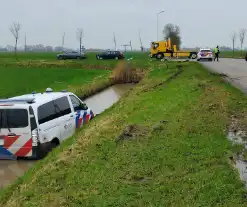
x=41, y=151
x=54, y=143
x=159, y=56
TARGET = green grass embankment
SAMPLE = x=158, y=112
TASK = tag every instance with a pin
x=163, y=144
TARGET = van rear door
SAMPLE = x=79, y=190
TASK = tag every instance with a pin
x=15, y=132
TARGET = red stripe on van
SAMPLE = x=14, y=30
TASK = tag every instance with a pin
x=9, y=140
x=79, y=122
x=87, y=118
x=25, y=149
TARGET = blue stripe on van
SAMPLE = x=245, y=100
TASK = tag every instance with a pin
x=77, y=119
x=84, y=117
x=5, y=154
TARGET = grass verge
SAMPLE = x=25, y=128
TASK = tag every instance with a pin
x=162, y=145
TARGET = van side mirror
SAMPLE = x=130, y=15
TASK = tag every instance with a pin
x=83, y=106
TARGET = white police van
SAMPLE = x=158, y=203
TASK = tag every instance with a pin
x=33, y=124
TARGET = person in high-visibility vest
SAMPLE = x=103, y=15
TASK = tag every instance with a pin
x=216, y=53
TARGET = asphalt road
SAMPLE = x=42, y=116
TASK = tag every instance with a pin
x=235, y=69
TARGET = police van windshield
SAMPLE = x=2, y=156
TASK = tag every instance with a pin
x=206, y=50
x=13, y=118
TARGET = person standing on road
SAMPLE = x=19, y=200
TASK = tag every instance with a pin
x=216, y=53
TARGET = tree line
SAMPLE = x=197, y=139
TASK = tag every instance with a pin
x=241, y=35
x=170, y=31
x=16, y=27
x=173, y=32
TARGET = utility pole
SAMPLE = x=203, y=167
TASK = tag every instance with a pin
x=115, y=42
x=130, y=46
x=25, y=43
x=158, y=24
x=125, y=47
x=63, y=39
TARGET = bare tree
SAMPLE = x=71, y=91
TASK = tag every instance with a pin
x=80, y=36
x=173, y=32
x=140, y=40
x=15, y=29
x=241, y=38
x=233, y=37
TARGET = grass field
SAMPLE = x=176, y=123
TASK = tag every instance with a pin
x=52, y=55
x=164, y=144
x=37, y=71
x=48, y=60
x=17, y=81
x=229, y=54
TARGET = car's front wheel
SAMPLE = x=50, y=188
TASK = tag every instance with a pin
x=116, y=58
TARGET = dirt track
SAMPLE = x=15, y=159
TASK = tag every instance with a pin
x=235, y=69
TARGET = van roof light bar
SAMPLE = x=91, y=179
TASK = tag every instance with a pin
x=11, y=100
x=48, y=90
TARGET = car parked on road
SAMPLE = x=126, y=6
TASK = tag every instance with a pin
x=205, y=54
x=71, y=55
x=245, y=56
x=110, y=55
x=33, y=124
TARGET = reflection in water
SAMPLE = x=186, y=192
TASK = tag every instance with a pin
x=242, y=168
x=241, y=165
x=11, y=170
x=103, y=100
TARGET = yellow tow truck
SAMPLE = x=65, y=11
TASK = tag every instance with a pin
x=161, y=49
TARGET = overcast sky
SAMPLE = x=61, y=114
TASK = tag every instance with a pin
x=202, y=23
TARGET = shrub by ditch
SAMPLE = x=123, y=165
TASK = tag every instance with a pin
x=125, y=73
